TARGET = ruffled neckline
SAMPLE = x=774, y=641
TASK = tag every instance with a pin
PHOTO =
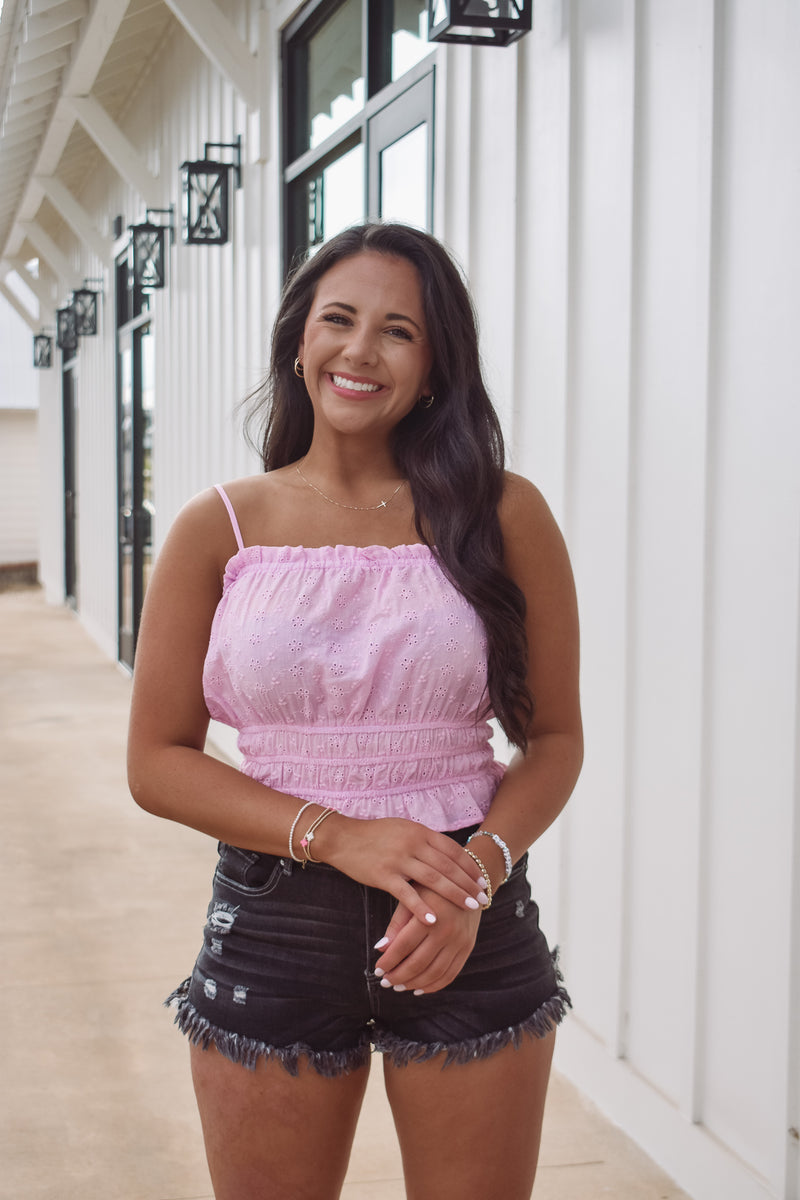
x=325, y=556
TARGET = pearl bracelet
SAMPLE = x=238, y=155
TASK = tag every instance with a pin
x=498, y=841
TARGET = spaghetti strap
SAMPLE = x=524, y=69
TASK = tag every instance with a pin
x=231, y=514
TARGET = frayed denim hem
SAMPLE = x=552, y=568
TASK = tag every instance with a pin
x=247, y=1051
x=400, y=1051
x=548, y=1015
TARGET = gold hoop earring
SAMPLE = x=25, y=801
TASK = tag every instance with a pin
x=426, y=401
x=298, y=369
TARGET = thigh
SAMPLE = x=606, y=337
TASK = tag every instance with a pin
x=271, y=1134
x=471, y=1129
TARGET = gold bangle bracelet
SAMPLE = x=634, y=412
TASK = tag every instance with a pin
x=308, y=836
x=485, y=875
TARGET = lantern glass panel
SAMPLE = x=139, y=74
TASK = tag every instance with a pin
x=42, y=350
x=84, y=302
x=147, y=254
x=205, y=203
x=67, y=329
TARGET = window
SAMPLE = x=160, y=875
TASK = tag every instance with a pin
x=358, y=118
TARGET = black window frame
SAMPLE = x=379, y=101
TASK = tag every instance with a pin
x=391, y=109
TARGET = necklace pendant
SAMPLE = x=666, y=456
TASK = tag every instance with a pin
x=382, y=504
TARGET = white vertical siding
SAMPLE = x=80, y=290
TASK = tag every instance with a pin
x=655, y=374
x=668, y=479
x=96, y=492
x=19, y=486
x=597, y=496
x=754, y=500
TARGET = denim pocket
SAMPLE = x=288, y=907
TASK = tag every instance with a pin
x=249, y=872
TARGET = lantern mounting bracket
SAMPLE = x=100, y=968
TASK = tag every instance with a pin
x=170, y=225
x=237, y=148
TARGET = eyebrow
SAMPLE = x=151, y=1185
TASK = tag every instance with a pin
x=389, y=316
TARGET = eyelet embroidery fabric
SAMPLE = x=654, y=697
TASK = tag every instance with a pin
x=355, y=677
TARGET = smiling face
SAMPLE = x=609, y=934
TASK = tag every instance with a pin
x=365, y=351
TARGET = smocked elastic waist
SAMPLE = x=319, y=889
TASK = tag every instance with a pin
x=436, y=774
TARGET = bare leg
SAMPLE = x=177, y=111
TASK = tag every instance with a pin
x=269, y=1134
x=472, y=1130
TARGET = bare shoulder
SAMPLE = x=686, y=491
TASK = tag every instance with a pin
x=205, y=523
x=529, y=527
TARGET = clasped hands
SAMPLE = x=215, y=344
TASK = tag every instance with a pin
x=440, y=892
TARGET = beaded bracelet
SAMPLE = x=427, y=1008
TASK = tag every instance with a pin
x=308, y=837
x=498, y=841
x=300, y=812
x=485, y=875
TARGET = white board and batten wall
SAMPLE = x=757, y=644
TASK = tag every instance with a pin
x=622, y=188
x=19, y=474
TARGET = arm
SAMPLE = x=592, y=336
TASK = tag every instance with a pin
x=169, y=773
x=537, y=784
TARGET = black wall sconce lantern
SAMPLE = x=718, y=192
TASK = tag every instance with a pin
x=206, y=209
x=84, y=301
x=147, y=259
x=67, y=329
x=42, y=350
x=479, y=22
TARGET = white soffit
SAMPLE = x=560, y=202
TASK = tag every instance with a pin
x=61, y=60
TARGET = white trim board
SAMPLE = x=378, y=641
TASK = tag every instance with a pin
x=689, y=1153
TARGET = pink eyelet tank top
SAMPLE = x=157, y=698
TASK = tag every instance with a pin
x=354, y=676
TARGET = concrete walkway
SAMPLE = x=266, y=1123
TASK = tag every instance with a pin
x=104, y=907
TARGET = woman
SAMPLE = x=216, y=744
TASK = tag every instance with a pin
x=356, y=612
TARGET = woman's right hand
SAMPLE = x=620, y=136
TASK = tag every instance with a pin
x=393, y=854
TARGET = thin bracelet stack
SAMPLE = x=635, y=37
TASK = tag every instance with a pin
x=308, y=836
x=498, y=841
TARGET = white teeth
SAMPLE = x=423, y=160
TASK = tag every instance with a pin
x=352, y=386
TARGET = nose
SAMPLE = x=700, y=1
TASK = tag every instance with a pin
x=361, y=346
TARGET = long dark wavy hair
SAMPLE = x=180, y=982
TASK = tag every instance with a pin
x=451, y=453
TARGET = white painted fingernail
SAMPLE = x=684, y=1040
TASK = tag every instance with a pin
x=385, y=983
x=418, y=992
x=383, y=942
x=483, y=899
x=482, y=883
x=471, y=902
x=399, y=987
x=430, y=918
x=379, y=971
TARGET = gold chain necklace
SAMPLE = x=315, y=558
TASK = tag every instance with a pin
x=355, y=507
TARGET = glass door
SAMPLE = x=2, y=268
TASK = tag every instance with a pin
x=69, y=405
x=135, y=427
x=401, y=158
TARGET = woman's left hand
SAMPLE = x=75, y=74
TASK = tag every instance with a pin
x=422, y=957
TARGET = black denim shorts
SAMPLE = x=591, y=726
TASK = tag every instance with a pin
x=286, y=972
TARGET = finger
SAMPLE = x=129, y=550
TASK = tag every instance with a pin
x=404, y=944
x=454, y=862
x=466, y=894
x=423, y=972
x=400, y=919
x=407, y=894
